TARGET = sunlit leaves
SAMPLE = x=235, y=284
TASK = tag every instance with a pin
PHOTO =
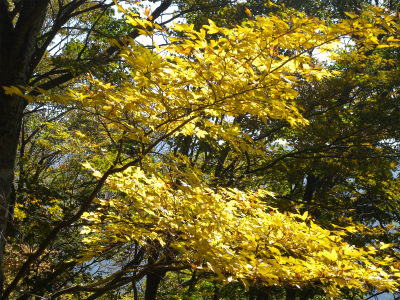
x=232, y=234
x=197, y=86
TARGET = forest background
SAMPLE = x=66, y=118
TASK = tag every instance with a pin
x=230, y=164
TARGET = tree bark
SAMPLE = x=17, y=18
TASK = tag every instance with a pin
x=11, y=109
x=17, y=45
x=153, y=279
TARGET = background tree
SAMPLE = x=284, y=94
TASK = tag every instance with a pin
x=168, y=212
x=341, y=166
x=32, y=33
x=330, y=184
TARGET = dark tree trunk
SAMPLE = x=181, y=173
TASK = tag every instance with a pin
x=154, y=278
x=312, y=181
x=262, y=295
x=152, y=282
x=11, y=109
x=17, y=45
x=291, y=294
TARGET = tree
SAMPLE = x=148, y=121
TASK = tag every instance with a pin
x=158, y=200
x=340, y=168
x=27, y=30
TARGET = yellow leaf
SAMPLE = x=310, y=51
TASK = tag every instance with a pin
x=147, y=11
x=351, y=15
x=330, y=255
x=212, y=28
x=248, y=12
x=385, y=246
x=201, y=133
x=86, y=165
x=13, y=90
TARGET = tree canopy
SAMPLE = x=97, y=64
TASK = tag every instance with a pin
x=230, y=162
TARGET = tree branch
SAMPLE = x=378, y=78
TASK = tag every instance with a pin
x=53, y=233
x=104, y=56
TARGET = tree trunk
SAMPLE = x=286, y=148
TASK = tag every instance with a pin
x=291, y=293
x=153, y=281
x=11, y=109
x=17, y=46
x=262, y=294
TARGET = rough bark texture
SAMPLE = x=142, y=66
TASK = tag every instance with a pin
x=17, y=45
x=11, y=109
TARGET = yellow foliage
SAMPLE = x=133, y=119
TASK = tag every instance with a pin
x=232, y=234
x=196, y=86
x=181, y=90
